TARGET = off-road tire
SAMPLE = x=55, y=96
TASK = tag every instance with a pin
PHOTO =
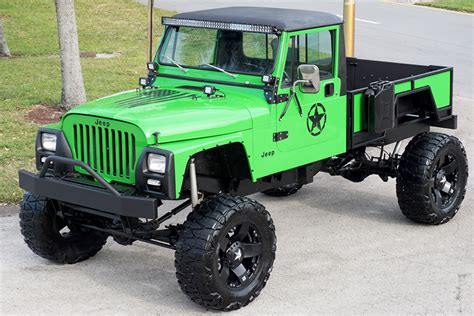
x=417, y=177
x=39, y=229
x=285, y=190
x=198, y=249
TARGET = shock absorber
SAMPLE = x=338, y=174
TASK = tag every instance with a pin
x=193, y=183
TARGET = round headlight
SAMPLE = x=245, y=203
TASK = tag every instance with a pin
x=156, y=163
x=48, y=141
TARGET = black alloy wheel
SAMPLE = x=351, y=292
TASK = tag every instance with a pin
x=225, y=252
x=445, y=188
x=432, y=178
x=239, y=255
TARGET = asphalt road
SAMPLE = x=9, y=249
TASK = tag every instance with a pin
x=343, y=248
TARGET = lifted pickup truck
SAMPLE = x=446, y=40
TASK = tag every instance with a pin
x=238, y=101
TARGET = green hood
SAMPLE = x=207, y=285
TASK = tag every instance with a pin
x=177, y=114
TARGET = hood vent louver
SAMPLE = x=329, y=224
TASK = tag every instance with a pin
x=153, y=96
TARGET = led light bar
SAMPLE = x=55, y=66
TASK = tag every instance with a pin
x=220, y=25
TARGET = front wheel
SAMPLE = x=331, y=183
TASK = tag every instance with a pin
x=432, y=178
x=50, y=237
x=225, y=252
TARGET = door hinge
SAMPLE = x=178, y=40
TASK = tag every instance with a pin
x=280, y=136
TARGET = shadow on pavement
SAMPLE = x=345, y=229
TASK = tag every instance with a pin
x=341, y=197
x=144, y=272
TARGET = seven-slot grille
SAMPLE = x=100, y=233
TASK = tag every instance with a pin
x=108, y=151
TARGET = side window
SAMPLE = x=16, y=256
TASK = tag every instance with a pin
x=320, y=51
x=314, y=48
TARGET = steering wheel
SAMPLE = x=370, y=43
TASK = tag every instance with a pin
x=253, y=66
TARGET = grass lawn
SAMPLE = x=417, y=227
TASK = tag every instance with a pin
x=33, y=76
x=457, y=5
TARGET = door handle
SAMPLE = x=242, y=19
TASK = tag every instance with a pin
x=329, y=89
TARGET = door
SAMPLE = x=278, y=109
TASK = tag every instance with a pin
x=317, y=127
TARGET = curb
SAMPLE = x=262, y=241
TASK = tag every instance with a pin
x=9, y=210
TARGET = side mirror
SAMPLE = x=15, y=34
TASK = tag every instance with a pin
x=309, y=82
x=310, y=79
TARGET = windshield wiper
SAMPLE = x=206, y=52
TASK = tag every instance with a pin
x=176, y=64
x=222, y=70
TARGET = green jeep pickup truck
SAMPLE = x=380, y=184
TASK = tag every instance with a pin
x=238, y=101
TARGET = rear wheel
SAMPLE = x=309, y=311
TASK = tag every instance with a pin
x=285, y=190
x=225, y=252
x=432, y=179
x=50, y=237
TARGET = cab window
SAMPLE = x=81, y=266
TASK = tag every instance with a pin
x=315, y=48
x=260, y=46
x=232, y=51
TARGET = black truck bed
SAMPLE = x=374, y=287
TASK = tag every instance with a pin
x=413, y=98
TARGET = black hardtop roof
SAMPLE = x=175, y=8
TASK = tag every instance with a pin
x=282, y=19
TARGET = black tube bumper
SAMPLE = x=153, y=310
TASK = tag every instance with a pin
x=88, y=196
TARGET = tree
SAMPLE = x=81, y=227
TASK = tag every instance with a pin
x=72, y=92
x=4, y=51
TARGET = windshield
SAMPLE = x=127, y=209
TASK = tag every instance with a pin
x=219, y=50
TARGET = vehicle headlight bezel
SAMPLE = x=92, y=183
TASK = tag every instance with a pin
x=49, y=142
x=156, y=163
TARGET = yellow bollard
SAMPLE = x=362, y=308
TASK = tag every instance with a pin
x=150, y=30
x=349, y=26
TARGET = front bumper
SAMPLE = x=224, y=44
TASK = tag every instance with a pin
x=105, y=199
